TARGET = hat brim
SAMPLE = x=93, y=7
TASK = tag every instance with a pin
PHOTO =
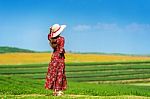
x=62, y=27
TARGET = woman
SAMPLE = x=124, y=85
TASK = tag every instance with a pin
x=56, y=78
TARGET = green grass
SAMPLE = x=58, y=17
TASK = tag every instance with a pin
x=14, y=85
x=78, y=64
x=28, y=79
x=100, y=77
x=91, y=69
x=111, y=78
x=83, y=73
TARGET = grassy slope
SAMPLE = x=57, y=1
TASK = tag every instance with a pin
x=13, y=49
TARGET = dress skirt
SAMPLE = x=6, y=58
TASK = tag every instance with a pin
x=56, y=78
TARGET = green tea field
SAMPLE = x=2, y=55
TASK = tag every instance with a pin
x=113, y=80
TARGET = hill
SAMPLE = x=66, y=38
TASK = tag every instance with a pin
x=5, y=49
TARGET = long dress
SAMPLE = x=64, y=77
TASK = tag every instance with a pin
x=56, y=78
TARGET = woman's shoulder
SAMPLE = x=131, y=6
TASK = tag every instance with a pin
x=61, y=38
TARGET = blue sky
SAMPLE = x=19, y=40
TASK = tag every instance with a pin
x=111, y=26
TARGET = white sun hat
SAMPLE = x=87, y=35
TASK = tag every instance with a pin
x=56, y=29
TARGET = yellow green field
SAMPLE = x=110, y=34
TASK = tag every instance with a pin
x=32, y=58
x=90, y=76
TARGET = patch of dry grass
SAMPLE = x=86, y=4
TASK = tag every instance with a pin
x=31, y=58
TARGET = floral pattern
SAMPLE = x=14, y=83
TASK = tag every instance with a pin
x=56, y=78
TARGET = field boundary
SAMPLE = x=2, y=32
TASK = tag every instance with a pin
x=76, y=64
x=75, y=96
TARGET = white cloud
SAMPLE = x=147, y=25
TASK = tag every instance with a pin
x=132, y=27
x=106, y=26
x=135, y=27
x=82, y=27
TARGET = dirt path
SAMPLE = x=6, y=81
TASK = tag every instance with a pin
x=71, y=96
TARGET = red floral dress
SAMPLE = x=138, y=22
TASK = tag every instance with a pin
x=56, y=78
